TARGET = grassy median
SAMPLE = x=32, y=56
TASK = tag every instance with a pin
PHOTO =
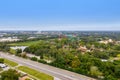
x=10, y=63
x=37, y=74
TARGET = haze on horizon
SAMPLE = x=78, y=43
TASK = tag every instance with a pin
x=60, y=15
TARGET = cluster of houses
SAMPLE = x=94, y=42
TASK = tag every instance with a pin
x=85, y=49
x=106, y=41
x=109, y=41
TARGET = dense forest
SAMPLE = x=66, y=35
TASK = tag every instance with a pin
x=69, y=55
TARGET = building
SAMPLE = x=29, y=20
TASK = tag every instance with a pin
x=82, y=48
x=106, y=41
x=19, y=47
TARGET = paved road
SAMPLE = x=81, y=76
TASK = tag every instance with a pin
x=53, y=71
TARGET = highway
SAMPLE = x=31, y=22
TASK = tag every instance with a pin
x=50, y=70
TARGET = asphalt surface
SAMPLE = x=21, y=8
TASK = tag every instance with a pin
x=50, y=70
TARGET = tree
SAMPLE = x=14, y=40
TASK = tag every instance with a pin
x=100, y=54
x=75, y=62
x=117, y=71
x=4, y=47
x=39, y=53
x=94, y=71
x=68, y=58
x=18, y=51
x=110, y=77
x=10, y=75
x=117, y=47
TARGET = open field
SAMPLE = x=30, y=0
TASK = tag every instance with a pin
x=27, y=43
x=37, y=74
x=10, y=63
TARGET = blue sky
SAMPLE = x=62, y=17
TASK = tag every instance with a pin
x=59, y=14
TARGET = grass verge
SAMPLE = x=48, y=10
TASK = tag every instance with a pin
x=10, y=63
x=37, y=74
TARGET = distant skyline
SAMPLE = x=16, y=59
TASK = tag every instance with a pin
x=80, y=15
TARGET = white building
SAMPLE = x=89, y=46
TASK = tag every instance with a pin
x=19, y=47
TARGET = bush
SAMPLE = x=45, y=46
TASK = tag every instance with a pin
x=23, y=55
x=34, y=59
x=18, y=51
x=42, y=61
x=1, y=60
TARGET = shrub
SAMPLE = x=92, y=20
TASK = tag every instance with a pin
x=42, y=61
x=1, y=60
x=34, y=59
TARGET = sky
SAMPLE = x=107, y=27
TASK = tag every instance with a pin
x=60, y=15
